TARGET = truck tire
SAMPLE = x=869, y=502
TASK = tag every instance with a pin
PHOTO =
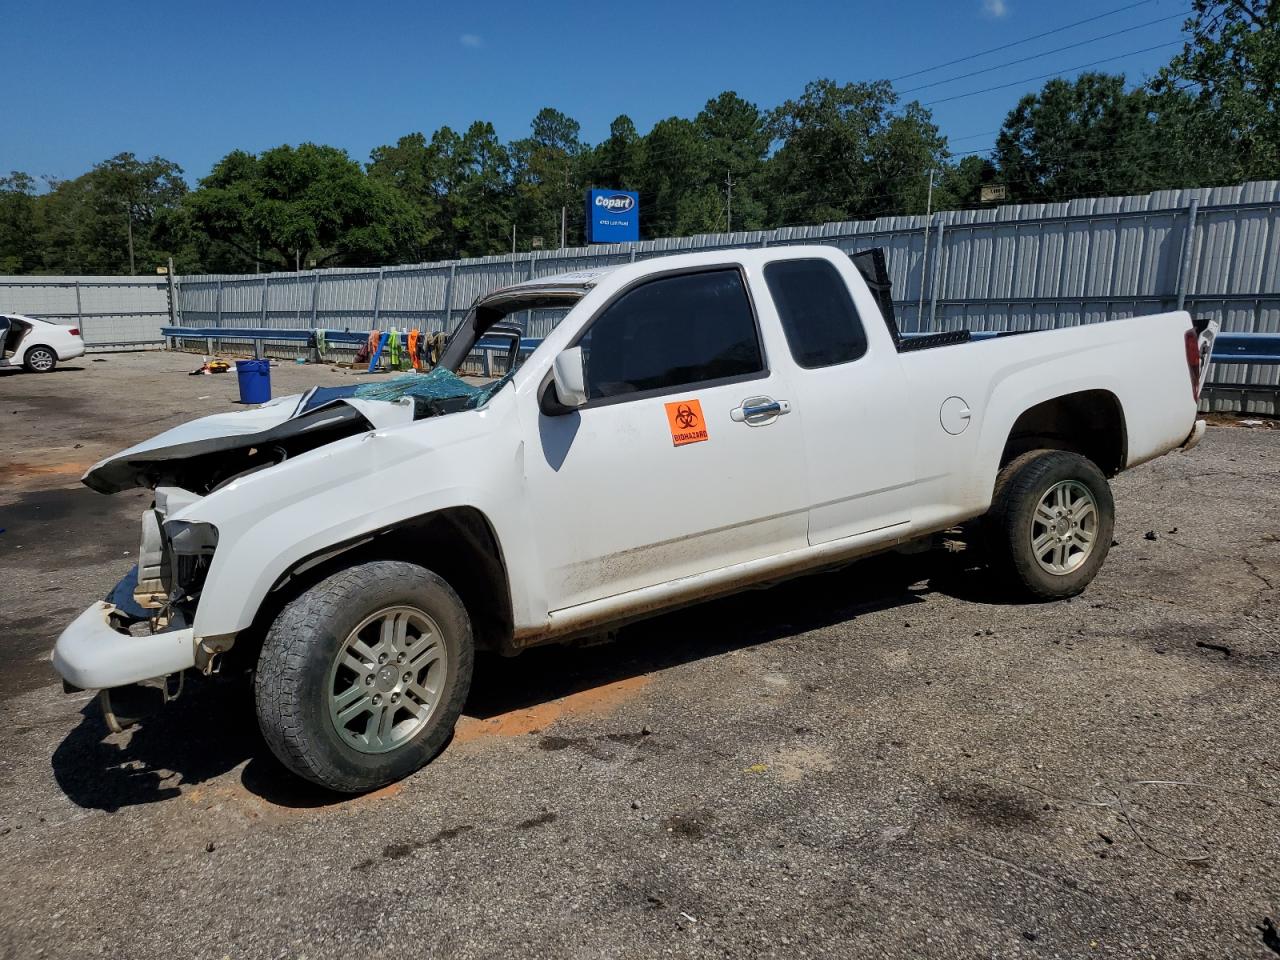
x=40, y=359
x=362, y=677
x=1050, y=524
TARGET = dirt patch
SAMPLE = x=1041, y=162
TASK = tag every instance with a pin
x=29, y=475
x=598, y=701
x=796, y=763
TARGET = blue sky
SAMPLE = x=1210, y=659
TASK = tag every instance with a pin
x=190, y=82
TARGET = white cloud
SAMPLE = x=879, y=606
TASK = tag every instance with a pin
x=474, y=40
x=995, y=8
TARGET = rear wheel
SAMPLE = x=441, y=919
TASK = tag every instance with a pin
x=1050, y=525
x=40, y=359
x=362, y=678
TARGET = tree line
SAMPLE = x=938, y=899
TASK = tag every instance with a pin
x=838, y=151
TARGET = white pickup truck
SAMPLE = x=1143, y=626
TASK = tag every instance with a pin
x=694, y=425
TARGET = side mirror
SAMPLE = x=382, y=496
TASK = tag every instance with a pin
x=569, y=376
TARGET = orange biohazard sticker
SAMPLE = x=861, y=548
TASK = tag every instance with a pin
x=685, y=419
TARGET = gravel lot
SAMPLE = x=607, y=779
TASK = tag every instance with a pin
x=885, y=761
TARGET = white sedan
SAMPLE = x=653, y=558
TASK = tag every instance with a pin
x=37, y=344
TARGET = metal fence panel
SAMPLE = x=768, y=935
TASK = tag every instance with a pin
x=110, y=311
x=1034, y=266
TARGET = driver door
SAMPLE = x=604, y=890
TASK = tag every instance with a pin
x=679, y=463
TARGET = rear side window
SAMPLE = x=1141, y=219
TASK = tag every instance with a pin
x=672, y=332
x=817, y=313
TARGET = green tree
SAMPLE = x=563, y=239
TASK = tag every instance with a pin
x=1220, y=96
x=615, y=163
x=20, y=247
x=451, y=169
x=847, y=153
x=1083, y=137
x=290, y=205
x=481, y=200
x=547, y=172
x=420, y=173
x=960, y=184
x=144, y=189
x=677, y=196
x=110, y=220
x=737, y=142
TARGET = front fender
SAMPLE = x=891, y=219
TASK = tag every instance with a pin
x=271, y=521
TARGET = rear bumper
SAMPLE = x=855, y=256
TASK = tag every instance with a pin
x=71, y=352
x=1194, y=437
x=91, y=655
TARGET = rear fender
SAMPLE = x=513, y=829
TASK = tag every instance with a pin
x=1010, y=398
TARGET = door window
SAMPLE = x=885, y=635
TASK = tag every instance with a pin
x=817, y=313
x=673, y=332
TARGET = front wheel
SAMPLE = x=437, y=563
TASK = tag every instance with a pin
x=40, y=359
x=1050, y=524
x=362, y=677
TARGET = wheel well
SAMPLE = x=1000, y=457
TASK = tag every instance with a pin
x=458, y=544
x=1090, y=423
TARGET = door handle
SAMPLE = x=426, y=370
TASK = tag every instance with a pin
x=757, y=411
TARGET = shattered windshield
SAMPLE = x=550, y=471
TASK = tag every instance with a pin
x=440, y=391
x=435, y=393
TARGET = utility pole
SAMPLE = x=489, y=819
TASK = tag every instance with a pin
x=564, y=208
x=513, y=253
x=128, y=216
x=173, y=297
x=924, y=260
x=729, y=200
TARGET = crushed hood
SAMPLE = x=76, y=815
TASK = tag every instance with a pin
x=200, y=454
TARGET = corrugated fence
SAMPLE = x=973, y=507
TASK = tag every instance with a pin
x=1214, y=251
x=110, y=311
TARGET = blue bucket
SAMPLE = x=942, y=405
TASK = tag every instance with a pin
x=255, y=380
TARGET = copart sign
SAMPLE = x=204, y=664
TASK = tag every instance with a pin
x=613, y=216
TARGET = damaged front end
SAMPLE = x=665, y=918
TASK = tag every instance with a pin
x=142, y=630
x=135, y=645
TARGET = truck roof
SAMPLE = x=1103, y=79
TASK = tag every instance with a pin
x=579, y=280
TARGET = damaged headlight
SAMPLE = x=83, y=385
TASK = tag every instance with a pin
x=189, y=548
x=158, y=572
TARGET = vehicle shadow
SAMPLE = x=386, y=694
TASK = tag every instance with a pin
x=208, y=731
x=211, y=729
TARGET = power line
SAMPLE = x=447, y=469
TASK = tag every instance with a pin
x=1016, y=43
x=1055, y=73
x=1043, y=53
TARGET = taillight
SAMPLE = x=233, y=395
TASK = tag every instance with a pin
x=74, y=331
x=1192, y=340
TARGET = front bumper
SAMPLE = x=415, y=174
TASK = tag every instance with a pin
x=90, y=654
x=1194, y=437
